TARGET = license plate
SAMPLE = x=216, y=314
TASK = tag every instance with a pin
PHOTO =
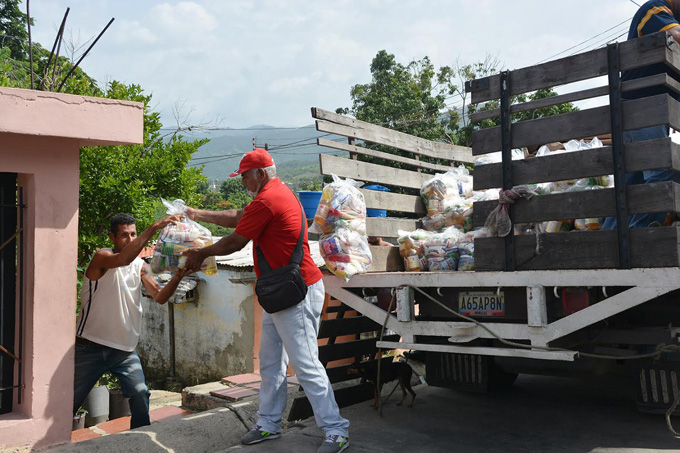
x=482, y=304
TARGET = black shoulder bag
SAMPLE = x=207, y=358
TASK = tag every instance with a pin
x=278, y=289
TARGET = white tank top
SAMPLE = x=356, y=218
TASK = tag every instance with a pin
x=111, y=307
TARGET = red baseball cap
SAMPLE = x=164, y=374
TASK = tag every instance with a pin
x=257, y=158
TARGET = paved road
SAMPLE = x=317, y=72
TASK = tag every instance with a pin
x=539, y=414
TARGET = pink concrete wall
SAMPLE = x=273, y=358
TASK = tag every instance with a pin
x=97, y=121
x=50, y=173
x=40, y=137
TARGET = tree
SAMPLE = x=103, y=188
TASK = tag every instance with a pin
x=114, y=178
x=235, y=195
x=133, y=178
x=407, y=98
x=413, y=99
x=13, y=32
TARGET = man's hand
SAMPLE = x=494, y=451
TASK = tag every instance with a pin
x=190, y=213
x=194, y=259
x=162, y=223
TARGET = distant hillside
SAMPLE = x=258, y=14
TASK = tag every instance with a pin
x=294, y=151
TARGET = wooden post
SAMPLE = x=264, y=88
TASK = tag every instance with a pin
x=352, y=141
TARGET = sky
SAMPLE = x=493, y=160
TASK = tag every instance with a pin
x=239, y=63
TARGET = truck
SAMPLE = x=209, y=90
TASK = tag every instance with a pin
x=577, y=303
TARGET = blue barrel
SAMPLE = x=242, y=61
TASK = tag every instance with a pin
x=376, y=212
x=310, y=201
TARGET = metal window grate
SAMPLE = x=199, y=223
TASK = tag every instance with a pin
x=11, y=280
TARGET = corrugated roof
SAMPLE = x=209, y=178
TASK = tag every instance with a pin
x=244, y=257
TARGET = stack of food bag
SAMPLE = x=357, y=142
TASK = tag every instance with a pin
x=572, y=185
x=341, y=220
x=448, y=250
x=449, y=197
x=174, y=239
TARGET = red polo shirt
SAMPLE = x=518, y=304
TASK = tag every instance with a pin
x=272, y=221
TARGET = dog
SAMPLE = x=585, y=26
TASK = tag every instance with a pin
x=368, y=371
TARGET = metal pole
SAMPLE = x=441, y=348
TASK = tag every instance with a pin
x=21, y=250
x=617, y=148
x=171, y=322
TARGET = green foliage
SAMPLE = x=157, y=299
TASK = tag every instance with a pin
x=314, y=184
x=413, y=99
x=407, y=98
x=133, y=178
x=235, y=195
x=13, y=31
x=109, y=380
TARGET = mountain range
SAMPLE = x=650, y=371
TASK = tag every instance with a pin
x=294, y=150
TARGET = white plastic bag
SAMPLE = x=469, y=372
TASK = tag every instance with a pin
x=174, y=239
x=341, y=220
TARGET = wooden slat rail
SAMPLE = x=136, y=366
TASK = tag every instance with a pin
x=339, y=373
x=331, y=352
x=646, y=82
x=637, y=114
x=345, y=326
x=644, y=198
x=385, y=227
x=648, y=155
x=649, y=247
x=633, y=54
x=364, y=171
x=393, y=201
x=381, y=155
x=360, y=130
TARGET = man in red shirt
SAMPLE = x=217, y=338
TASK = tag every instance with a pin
x=272, y=221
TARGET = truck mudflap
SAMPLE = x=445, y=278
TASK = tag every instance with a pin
x=656, y=385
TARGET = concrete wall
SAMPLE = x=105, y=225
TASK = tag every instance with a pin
x=40, y=136
x=214, y=335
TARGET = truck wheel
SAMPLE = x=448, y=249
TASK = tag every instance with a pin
x=500, y=379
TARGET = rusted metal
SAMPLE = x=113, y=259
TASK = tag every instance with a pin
x=84, y=54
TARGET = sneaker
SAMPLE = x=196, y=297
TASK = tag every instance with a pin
x=334, y=444
x=256, y=434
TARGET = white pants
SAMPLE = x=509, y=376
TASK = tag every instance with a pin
x=292, y=333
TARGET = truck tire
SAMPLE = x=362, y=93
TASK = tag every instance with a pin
x=500, y=379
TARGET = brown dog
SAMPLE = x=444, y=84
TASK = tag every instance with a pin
x=402, y=371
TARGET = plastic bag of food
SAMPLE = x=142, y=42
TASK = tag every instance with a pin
x=466, y=248
x=346, y=253
x=446, y=189
x=442, y=251
x=412, y=249
x=174, y=239
x=342, y=205
x=341, y=220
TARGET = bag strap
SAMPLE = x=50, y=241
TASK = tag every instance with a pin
x=295, y=257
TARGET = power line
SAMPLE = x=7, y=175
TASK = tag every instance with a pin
x=583, y=42
x=240, y=129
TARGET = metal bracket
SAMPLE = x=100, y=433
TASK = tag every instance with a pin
x=477, y=85
x=617, y=148
x=506, y=151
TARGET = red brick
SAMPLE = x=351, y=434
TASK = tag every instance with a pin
x=115, y=426
x=293, y=380
x=168, y=412
x=254, y=386
x=242, y=379
x=83, y=434
x=234, y=393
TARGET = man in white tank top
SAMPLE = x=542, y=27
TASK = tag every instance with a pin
x=110, y=318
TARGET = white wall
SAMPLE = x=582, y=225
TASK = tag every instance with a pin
x=213, y=334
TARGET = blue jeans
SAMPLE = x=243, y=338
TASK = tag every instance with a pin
x=292, y=333
x=93, y=361
x=644, y=177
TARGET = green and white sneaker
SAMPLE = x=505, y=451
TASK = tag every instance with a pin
x=256, y=434
x=334, y=444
